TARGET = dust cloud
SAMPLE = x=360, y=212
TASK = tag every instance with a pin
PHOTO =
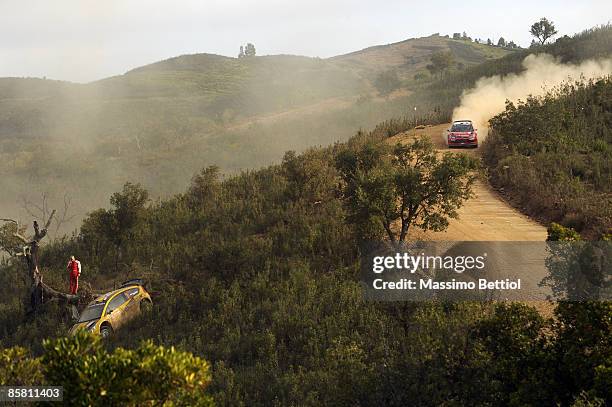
x=542, y=73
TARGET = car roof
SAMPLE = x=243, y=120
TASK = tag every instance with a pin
x=105, y=297
x=462, y=122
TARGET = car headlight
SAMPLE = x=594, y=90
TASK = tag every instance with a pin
x=90, y=327
x=452, y=138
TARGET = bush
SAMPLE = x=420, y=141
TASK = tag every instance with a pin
x=552, y=155
x=386, y=82
x=148, y=374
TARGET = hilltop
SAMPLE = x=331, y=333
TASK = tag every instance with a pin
x=411, y=56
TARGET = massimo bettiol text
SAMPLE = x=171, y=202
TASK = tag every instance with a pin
x=519, y=271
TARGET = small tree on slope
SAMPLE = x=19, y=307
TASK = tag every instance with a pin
x=408, y=185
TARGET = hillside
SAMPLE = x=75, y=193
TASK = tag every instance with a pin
x=411, y=56
x=158, y=124
x=259, y=274
x=559, y=168
x=592, y=43
x=486, y=216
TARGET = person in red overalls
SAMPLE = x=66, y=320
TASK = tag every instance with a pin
x=74, y=268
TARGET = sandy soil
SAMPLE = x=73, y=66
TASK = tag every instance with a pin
x=485, y=217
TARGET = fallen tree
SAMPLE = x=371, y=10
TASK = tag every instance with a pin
x=13, y=241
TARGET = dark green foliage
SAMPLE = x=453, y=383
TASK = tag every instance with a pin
x=117, y=225
x=386, y=82
x=514, y=337
x=91, y=376
x=583, y=349
x=258, y=274
x=405, y=184
x=545, y=362
x=553, y=154
x=558, y=232
x=440, y=63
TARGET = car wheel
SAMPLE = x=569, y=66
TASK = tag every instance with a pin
x=106, y=331
x=145, y=306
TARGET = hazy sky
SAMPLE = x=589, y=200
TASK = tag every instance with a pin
x=84, y=40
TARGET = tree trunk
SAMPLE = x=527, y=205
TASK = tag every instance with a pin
x=39, y=291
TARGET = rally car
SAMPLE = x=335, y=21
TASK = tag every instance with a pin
x=110, y=311
x=462, y=134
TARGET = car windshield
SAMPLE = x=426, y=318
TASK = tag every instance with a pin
x=462, y=127
x=92, y=312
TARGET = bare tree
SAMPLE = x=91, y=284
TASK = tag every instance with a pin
x=13, y=241
x=40, y=211
x=64, y=216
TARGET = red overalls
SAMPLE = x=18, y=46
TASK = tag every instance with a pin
x=73, y=266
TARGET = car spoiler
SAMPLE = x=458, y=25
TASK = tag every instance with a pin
x=134, y=281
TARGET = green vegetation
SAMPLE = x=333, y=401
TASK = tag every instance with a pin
x=553, y=155
x=440, y=63
x=91, y=376
x=259, y=274
x=386, y=82
x=406, y=185
x=445, y=93
x=247, y=51
x=160, y=123
x=543, y=30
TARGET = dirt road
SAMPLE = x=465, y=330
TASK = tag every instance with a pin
x=485, y=217
x=488, y=218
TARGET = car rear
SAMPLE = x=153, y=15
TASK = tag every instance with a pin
x=462, y=134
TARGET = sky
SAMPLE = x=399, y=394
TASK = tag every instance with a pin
x=86, y=40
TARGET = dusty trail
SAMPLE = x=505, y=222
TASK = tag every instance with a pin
x=323, y=106
x=485, y=217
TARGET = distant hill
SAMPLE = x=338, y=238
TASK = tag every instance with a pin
x=158, y=124
x=411, y=56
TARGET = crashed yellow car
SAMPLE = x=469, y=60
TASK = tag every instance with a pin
x=110, y=311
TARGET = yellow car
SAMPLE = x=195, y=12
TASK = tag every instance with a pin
x=110, y=311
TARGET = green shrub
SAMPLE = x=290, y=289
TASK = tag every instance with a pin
x=147, y=375
x=558, y=232
x=552, y=155
x=19, y=368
